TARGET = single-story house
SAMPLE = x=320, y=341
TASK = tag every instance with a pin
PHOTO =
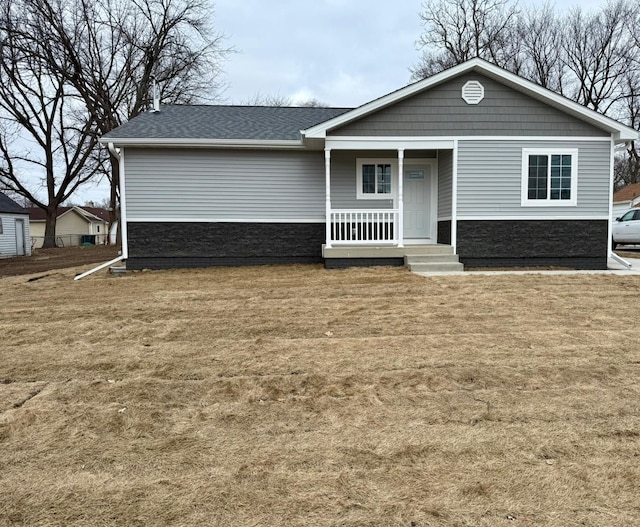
x=14, y=229
x=74, y=226
x=474, y=162
x=625, y=199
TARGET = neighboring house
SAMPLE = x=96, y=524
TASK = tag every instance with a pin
x=625, y=199
x=14, y=229
x=501, y=170
x=74, y=226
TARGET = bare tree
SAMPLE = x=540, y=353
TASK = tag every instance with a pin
x=279, y=100
x=459, y=30
x=627, y=167
x=42, y=131
x=590, y=57
x=108, y=52
x=540, y=40
x=261, y=99
x=596, y=51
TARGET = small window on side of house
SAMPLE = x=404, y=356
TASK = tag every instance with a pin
x=549, y=177
x=1, y=226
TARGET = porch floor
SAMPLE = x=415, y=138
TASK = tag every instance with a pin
x=418, y=258
x=383, y=251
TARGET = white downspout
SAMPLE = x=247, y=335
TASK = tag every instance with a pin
x=119, y=155
x=610, y=252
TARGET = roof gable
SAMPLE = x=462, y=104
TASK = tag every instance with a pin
x=479, y=66
x=442, y=111
x=90, y=214
x=8, y=206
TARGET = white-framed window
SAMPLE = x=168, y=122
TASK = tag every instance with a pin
x=549, y=177
x=375, y=178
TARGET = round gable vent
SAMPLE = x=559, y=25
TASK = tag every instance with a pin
x=472, y=92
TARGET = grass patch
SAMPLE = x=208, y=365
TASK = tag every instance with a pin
x=298, y=396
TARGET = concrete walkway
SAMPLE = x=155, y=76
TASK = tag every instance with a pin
x=615, y=268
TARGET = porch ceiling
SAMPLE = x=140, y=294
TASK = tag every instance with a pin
x=388, y=143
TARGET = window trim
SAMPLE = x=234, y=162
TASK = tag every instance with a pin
x=376, y=161
x=548, y=202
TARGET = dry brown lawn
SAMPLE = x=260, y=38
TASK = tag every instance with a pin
x=297, y=396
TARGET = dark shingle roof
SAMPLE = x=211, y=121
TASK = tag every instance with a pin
x=38, y=214
x=9, y=206
x=224, y=122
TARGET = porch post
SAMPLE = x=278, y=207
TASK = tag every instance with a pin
x=400, y=198
x=327, y=171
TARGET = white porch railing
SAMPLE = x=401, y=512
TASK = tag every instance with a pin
x=363, y=227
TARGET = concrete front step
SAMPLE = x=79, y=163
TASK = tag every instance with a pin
x=439, y=261
x=430, y=258
x=410, y=250
x=435, y=267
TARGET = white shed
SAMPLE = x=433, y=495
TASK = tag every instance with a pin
x=14, y=229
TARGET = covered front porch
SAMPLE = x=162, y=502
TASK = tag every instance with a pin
x=389, y=201
x=388, y=193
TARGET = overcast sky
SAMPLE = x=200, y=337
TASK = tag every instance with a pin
x=342, y=52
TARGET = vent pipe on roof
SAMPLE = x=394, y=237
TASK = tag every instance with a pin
x=156, y=96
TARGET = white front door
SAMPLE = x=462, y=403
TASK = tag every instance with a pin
x=417, y=187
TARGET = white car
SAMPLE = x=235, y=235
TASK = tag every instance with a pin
x=626, y=228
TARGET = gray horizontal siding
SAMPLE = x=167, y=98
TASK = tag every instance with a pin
x=210, y=185
x=442, y=111
x=489, y=179
x=343, y=180
x=8, y=246
x=445, y=183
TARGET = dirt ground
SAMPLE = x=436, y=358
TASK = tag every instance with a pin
x=297, y=396
x=43, y=260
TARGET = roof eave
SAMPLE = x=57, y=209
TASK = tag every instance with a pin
x=202, y=143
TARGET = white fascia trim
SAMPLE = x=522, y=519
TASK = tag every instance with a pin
x=88, y=215
x=203, y=143
x=621, y=132
x=535, y=138
x=222, y=220
x=450, y=139
x=444, y=218
x=388, y=143
x=72, y=209
x=533, y=218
